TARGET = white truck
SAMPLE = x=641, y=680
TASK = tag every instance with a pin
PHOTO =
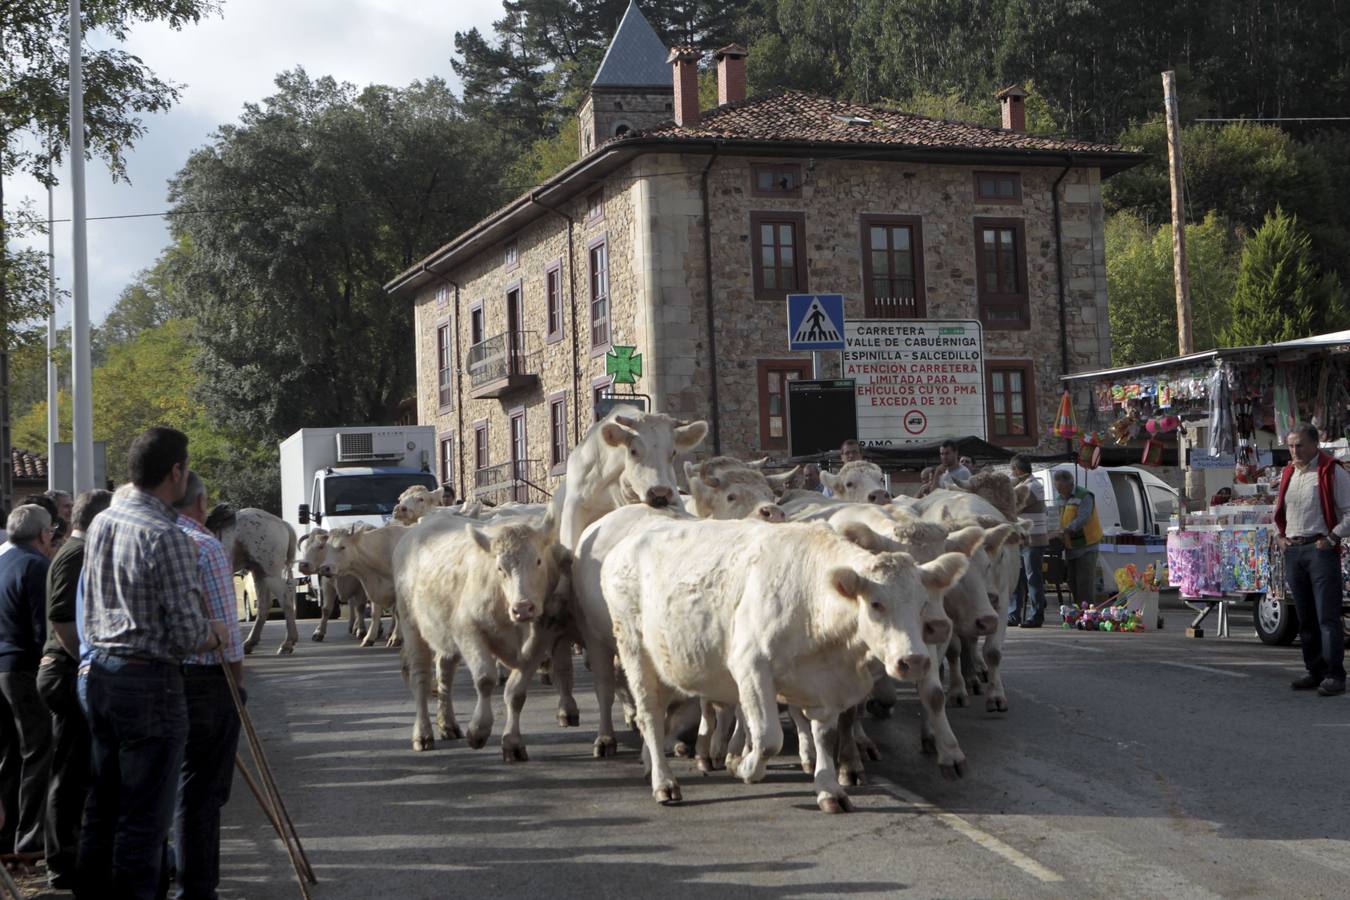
x=340, y=476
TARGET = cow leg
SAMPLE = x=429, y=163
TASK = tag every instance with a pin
x=957, y=694
x=825, y=735
x=707, y=727
x=561, y=656
x=850, y=769
x=373, y=632
x=969, y=667
x=328, y=593
x=285, y=594
x=255, y=633
x=760, y=708
x=651, y=701
x=721, y=737
x=883, y=698
x=513, y=745
x=805, y=742
x=736, y=738
x=446, y=663
x=395, y=629
x=417, y=658
x=602, y=672
x=483, y=665
x=993, y=660
x=682, y=724
x=937, y=730
x=866, y=746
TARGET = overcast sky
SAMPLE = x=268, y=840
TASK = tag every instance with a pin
x=223, y=63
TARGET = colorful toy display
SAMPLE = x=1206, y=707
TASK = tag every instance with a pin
x=1215, y=560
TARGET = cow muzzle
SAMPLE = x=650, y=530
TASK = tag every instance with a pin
x=771, y=512
x=985, y=625
x=880, y=498
x=912, y=667
x=523, y=611
x=660, y=497
x=937, y=631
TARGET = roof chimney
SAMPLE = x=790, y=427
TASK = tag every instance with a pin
x=1013, y=101
x=730, y=74
x=685, y=61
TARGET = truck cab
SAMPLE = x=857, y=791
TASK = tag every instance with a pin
x=364, y=494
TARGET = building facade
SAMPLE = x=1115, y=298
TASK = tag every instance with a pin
x=682, y=238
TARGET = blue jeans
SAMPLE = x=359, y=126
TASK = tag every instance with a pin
x=1314, y=578
x=137, y=728
x=204, y=783
x=1028, y=600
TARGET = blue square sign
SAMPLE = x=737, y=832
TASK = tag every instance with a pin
x=815, y=321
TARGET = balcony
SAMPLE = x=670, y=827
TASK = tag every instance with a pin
x=518, y=480
x=503, y=364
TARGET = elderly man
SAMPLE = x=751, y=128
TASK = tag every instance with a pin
x=25, y=727
x=1028, y=601
x=57, y=683
x=1312, y=513
x=142, y=614
x=1081, y=533
x=213, y=724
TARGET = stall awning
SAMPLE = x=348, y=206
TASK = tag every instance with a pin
x=916, y=456
x=1316, y=342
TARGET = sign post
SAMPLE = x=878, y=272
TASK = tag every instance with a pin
x=918, y=380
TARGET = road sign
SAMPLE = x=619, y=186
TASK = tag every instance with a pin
x=815, y=321
x=623, y=365
x=917, y=379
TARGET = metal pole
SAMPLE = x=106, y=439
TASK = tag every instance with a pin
x=82, y=420
x=817, y=364
x=53, y=419
x=1180, y=269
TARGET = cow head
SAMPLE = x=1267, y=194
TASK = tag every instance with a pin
x=721, y=490
x=528, y=560
x=891, y=592
x=414, y=503
x=858, y=481
x=339, y=550
x=973, y=601
x=649, y=443
x=311, y=552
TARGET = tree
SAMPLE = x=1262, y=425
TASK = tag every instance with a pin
x=1280, y=294
x=319, y=195
x=1142, y=294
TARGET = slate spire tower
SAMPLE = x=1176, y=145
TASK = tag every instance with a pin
x=632, y=89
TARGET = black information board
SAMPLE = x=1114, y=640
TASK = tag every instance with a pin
x=821, y=415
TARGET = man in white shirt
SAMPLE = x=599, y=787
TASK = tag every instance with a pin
x=1312, y=513
x=1027, y=608
x=949, y=469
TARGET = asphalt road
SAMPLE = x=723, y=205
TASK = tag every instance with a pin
x=1138, y=765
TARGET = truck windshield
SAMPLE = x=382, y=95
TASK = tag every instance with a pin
x=369, y=495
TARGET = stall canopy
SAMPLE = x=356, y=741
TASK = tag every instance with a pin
x=1286, y=350
x=917, y=456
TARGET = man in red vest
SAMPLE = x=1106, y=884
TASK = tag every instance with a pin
x=1312, y=513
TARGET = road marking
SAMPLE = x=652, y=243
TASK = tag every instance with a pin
x=1331, y=724
x=966, y=829
x=1059, y=644
x=1210, y=669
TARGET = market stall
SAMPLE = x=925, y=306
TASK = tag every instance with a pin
x=1223, y=414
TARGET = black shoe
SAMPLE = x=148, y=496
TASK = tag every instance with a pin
x=1014, y=623
x=1033, y=623
x=1306, y=683
x=1330, y=687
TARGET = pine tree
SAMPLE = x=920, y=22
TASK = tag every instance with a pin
x=1280, y=293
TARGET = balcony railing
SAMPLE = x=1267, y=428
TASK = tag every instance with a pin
x=503, y=363
x=518, y=480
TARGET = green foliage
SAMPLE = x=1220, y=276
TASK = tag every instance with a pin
x=545, y=158
x=334, y=190
x=1141, y=290
x=1280, y=293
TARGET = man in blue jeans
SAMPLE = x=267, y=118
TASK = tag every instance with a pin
x=1027, y=608
x=213, y=724
x=1312, y=513
x=142, y=614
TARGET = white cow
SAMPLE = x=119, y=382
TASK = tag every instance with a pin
x=415, y=501
x=859, y=481
x=740, y=613
x=726, y=488
x=627, y=457
x=481, y=594
x=344, y=589
x=367, y=555
x=263, y=545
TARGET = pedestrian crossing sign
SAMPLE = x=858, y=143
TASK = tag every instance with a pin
x=815, y=321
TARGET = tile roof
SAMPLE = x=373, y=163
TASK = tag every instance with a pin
x=27, y=466
x=796, y=117
x=636, y=57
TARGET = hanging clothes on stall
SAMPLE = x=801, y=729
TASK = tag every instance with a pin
x=1221, y=439
x=1286, y=401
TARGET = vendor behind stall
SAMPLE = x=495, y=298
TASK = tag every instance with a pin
x=1221, y=496
x=1081, y=533
x=1312, y=513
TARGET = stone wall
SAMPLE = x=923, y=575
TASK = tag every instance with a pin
x=605, y=110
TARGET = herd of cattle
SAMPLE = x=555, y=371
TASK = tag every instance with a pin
x=704, y=619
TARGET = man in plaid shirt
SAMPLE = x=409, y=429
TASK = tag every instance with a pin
x=142, y=614
x=213, y=724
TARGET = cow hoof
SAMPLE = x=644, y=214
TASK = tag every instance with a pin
x=681, y=750
x=545, y=679
x=706, y=764
x=423, y=743
x=477, y=741
x=367, y=643
x=450, y=732
x=961, y=700
x=515, y=754
x=285, y=649
x=996, y=704
x=809, y=766
x=832, y=804
x=878, y=710
x=569, y=718
x=316, y=636
x=604, y=746
x=847, y=776
x=928, y=746
x=954, y=770
x=394, y=643
x=668, y=793
x=869, y=750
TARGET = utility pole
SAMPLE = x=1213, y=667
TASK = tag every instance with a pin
x=1180, y=270
x=53, y=419
x=82, y=408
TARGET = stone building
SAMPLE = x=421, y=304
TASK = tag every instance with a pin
x=680, y=230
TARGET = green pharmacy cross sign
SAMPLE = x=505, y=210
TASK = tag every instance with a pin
x=623, y=364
